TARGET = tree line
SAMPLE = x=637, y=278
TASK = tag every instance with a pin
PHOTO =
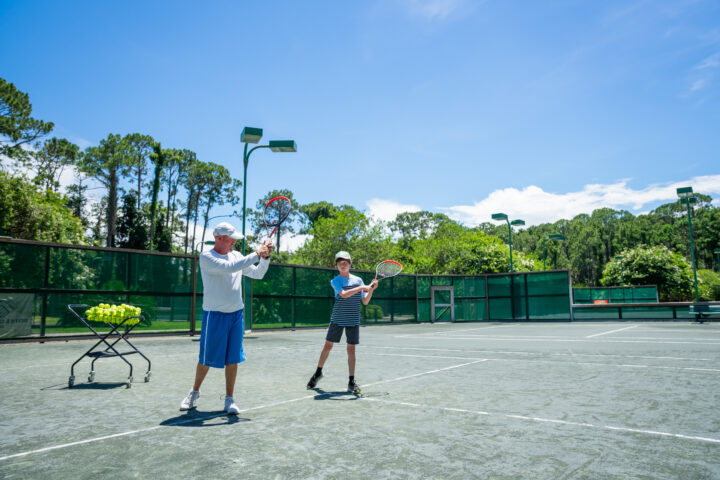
x=155, y=198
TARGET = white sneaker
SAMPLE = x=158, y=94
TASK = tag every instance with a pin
x=189, y=401
x=230, y=407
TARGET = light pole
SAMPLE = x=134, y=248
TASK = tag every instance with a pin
x=253, y=135
x=687, y=198
x=553, y=236
x=502, y=216
x=622, y=267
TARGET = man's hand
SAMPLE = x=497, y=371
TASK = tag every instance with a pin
x=265, y=250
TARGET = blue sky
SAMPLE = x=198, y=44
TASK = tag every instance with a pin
x=542, y=110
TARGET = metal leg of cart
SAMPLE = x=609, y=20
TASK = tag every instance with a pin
x=114, y=334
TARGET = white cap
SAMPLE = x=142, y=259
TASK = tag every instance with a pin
x=225, y=228
x=342, y=254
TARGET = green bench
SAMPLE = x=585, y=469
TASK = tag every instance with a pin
x=704, y=310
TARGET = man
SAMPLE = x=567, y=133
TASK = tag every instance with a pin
x=221, y=337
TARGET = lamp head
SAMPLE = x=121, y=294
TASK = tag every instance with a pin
x=556, y=237
x=685, y=192
x=283, y=145
x=517, y=222
x=251, y=135
x=499, y=216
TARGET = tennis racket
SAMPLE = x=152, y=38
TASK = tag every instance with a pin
x=276, y=212
x=387, y=269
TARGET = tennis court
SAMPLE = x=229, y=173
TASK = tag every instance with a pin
x=576, y=400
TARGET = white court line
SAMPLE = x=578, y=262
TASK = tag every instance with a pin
x=549, y=420
x=611, y=331
x=581, y=340
x=452, y=331
x=511, y=352
x=195, y=419
x=622, y=365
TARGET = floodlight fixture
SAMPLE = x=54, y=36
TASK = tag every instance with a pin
x=283, y=146
x=251, y=135
x=684, y=192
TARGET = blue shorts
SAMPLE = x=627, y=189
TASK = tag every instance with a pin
x=221, y=339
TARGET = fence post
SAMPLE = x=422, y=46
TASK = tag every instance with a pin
x=46, y=285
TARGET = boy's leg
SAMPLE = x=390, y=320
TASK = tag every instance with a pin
x=325, y=353
x=351, y=359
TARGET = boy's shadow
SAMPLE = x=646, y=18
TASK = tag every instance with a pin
x=342, y=395
x=194, y=418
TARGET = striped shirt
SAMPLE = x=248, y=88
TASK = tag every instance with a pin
x=346, y=311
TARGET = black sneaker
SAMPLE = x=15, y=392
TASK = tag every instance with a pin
x=313, y=381
x=353, y=388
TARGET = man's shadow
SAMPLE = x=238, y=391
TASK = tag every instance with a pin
x=195, y=418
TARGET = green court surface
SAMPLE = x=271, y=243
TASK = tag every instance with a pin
x=442, y=401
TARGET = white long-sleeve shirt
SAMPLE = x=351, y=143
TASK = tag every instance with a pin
x=222, y=278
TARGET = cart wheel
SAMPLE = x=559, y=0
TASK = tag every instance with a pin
x=71, y=381
x=91, y=377
x=147, y=376
x=129, y=382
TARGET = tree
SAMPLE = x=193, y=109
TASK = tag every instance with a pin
x=652, y=265
x=76, y=201
x=158, y=159
x=106, y=163
x=219, y=189
x=17, y=127
x=175, y=170
x=132, y=229
x=140, y=149
x=413, y=225
x=31, y=215
x=50, y=160
x=312, y=212
x=348, y=229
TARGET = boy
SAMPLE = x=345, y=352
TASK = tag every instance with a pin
x=349, y=292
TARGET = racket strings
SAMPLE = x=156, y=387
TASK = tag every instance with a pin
x=276, y=211
x=388, y=269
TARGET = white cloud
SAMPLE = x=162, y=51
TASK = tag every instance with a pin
x=536, y=206
x=433, y=9
x=713, y=61
x=387, y=210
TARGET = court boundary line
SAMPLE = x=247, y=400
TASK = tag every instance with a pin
x=611, y=331
x=621, y=365
x=580, y=340
x=195, y=419
x=537, y=353
x=550, y=420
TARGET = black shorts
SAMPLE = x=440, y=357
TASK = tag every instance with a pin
x=352, y=334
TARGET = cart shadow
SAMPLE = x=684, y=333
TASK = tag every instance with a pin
x=194, y=418
x=87, y=386
x=97, y=386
